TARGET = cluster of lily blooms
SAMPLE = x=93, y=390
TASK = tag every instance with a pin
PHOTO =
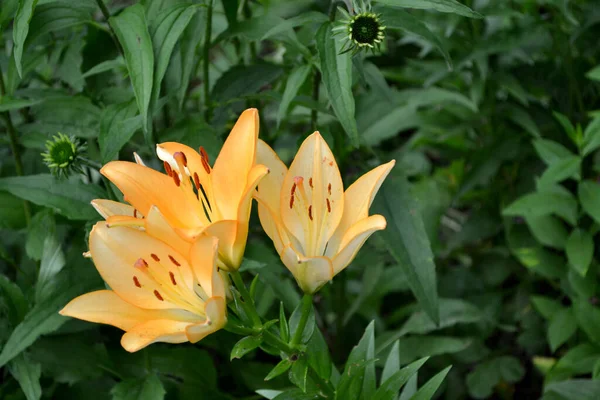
x=166, y=254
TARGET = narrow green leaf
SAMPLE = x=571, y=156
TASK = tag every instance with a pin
x=427, y=391
x=21, y=29
x=105, y=66
x=318, y=355
x=299, y=372
x=446, y=6
x=407, y=241
x=390, y=387
x=58, y=15
x=395, y=18
x=28, y=374
x=117, y=125
x=354, y=378
x=284, y=329
x=488, y=374
x=524, y=120
x=308, y=17
x=336, y=69
x=567, y=126
x=8, y=104
x=165, y=32
x=131, y=30
x=580, y=250
x=295, y=81
x=309, y=328
x=241, y=80
x=191, y=38
x=279, y=369
x=562, y=326
x=148, y=388
x=410, y=388
x=69, y=198
x=53, y=260
x=392, y=364
x=245, y=346
x=589, y=196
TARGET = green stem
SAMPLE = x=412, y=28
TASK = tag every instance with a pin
x=247, y=299
x=305, y=312
x=315, y=96
x=107, y=16
x=206, y=64
x=14, y=145
x=276, y=342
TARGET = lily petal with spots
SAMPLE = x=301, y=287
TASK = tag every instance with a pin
x=316, y=227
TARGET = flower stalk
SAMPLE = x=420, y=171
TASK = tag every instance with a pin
x=305, y=312
x=206, y=63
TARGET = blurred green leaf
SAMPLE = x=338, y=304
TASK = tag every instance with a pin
x=562, y=326
x=392, y=364
x=542, y=203
x=588, y=319
x=8, y=104
x=117, y=125
x=15, y=303
x=192, y=36
x=165, y=33
x=104, y=67
x=575, y=389
x=69, y=198
x=589, y=196
x=487, y=375
x=561, y=170
x=279, y=369
x=21, y=29
x=241, y=80
x=580, y=250
x=132, y=32
x=594, y=74
x=318, y=355
x=395, y=18
x=548, y=230
x=407, y=241
x=149, y=388
x=294, y=82
x=336, y=70
x=446, y=6
x=28, y=375
x=43, y=318
x=53, y=260
x=591, y=137
x=42, y=226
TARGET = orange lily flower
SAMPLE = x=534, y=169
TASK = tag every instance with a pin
x=193, y=197
x=316, y=227
x=158, y=294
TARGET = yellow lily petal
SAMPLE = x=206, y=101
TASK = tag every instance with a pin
x=158, y=330
x=144, y=187
x=196, y=169
x=228, y=231
x=108, y=208
x=236, y=159
x=141, y=269
x=105, y=307
x=216, y=311
x=157, y=226
x=311, y=273
x=357, y=200
x=203, y=257
x=312, y=196
x=268, y=195
x=354, y=238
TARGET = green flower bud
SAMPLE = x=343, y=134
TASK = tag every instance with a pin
x=362, y=30
x=63, y=155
